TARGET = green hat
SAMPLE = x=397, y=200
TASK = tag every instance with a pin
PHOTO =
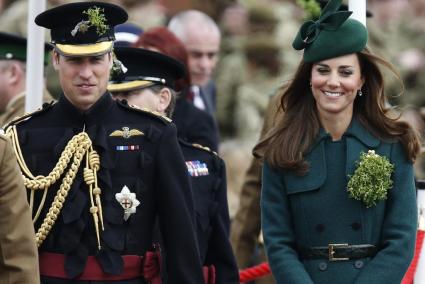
x=82, y=28
x=13, y=47
x=332, y=35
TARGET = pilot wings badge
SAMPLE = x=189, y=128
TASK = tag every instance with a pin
x=126, y=132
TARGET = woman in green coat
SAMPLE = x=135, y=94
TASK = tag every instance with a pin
x=338, y=199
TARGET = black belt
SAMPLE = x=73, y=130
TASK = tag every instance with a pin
x=337, y=252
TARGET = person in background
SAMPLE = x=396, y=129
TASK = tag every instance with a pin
x=149, y=83
x=193, y=125
x=338, y=195
x=13, y=55
x=126, y=34
x=99, y=172
x=201, y=37
x=18, y=257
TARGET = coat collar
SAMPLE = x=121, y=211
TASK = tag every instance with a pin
x=360, y=133
x=355, y=130
x=92, y=115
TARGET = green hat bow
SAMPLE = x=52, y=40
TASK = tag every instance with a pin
x=330, y=19
x=332, y=35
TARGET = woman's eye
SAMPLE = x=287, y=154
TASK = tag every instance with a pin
x=346, y=72
x=322, y=70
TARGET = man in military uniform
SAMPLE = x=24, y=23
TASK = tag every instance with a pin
x=149, y=82
x=94, y=225
x=13, y=55
x=18, y=257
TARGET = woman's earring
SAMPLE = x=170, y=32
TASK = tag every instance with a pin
x=310, y=84
x=359, y=92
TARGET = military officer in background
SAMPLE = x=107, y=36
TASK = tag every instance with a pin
x=149, y=82
x=18, y=256
x=13, y=56
x=115, y=168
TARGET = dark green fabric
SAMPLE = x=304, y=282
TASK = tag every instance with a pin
x=315, y=210
x=332, y=35
x=18, y=53
x=14, y=47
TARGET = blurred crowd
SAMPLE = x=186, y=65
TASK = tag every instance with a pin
x=254, y=58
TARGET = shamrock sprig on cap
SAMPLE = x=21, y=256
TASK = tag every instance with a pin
x=371, y=180
x=96, y=18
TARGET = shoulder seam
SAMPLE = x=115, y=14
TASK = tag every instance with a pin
x=147, y=111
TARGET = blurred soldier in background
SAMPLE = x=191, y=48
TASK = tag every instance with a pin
x=201, y=37
x=13, y=55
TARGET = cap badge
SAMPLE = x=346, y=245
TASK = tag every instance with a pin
x=126, y=133
x=128, y=201
x=96, y=19
x=118, y=68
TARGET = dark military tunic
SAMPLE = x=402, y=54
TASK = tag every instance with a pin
x=208, y=177
x=315, y=210
x=150, y=165
x=195, y=125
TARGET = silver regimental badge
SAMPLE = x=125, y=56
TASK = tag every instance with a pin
x=128, y=201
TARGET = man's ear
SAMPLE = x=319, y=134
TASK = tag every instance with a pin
x=111, y=60
x=164, y=99
x=16, y=72
x=55, y=60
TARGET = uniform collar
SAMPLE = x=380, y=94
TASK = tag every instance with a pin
x=90, y=116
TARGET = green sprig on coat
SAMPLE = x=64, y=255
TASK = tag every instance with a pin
x=371, y=180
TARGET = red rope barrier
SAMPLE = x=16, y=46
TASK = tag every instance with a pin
x=410, y=274
x=258, y=271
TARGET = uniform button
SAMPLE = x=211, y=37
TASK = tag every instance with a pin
x=356, y=226
x=358, y=264
x=323, y=266
x=320, y=228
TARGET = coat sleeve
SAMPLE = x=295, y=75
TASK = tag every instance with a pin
x=220, y=252
x=398, y=234
x=176, y=212
x=278, y=232
x=18, y=253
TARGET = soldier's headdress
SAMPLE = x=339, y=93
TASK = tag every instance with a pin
x=127, y=34
x=333, y=34
x=14, y=47
x=139, y=68
x=83, y=28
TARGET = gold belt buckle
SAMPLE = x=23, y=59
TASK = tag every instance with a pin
x=331, y=250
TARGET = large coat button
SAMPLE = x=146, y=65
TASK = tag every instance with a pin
x=320, y=228
x=358, y=264
x=323, y=266
x=356, y=226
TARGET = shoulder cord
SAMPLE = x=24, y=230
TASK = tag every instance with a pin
x=76, y=148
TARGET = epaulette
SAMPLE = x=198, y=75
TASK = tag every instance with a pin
x=207, y=149
x=19, y=119
x=125, y=104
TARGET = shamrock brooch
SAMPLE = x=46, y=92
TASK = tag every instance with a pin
x=371, y=180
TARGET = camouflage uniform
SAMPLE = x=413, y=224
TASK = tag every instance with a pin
x=246, y=226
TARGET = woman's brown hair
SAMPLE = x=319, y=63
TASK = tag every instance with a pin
x=285, y=145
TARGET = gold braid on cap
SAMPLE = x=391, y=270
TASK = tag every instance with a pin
x=76, y=148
